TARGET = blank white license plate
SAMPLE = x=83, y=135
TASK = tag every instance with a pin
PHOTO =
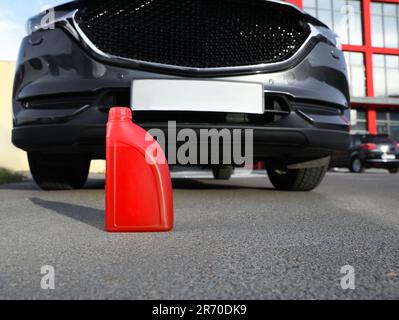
x=198, y=95
x=388, y=157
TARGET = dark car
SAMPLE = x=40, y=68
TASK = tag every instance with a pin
x=70, y=71
x=369, y=151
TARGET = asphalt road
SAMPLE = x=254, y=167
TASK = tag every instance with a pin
x=233, y=240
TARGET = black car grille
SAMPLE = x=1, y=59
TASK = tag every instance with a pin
x=194, y=33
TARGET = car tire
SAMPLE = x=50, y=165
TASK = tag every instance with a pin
x=222, y=172
x=356, y=165
x=297, y=180
x=59, y=172
x=393, y=170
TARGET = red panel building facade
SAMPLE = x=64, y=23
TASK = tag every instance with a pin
x=369, y=32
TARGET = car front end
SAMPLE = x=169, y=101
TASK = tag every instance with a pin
x=83, y=61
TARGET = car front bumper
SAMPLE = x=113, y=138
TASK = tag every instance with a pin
x=293, y=137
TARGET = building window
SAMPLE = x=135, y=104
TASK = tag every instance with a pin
x=385, y=24
x=356, y=73
x=386, y=75
x=388, y=123
x=343, y=16
x=360, y=124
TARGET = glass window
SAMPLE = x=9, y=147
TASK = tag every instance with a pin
x=382, y=129
x=388, y=123
x=361, y=115
x=386, y=75
x=310, y=3
x=376, y=8
x=382, y=115
x=395, y=132
x=326, y=17
x=326, y=4
x=392, y=75
x=385, y=25
x=389, y=10
x=361, y=122
x=390, y=32
x=338, y=4
x=343, y=16
x=356, y=73
x=378, y=31
x=378, y=60
x=312, y=12
x=394, y=116
x=360, y=127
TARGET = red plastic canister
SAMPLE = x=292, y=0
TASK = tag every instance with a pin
x=139, y=196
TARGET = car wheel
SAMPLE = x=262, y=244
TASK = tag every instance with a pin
x=356, y=165
x=222, y=172
x=394, y=170
x=297, y=180
x=59, y=172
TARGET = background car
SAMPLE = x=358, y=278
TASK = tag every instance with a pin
x=368, y=151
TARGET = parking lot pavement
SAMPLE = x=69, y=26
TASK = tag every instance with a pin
x=233, y=240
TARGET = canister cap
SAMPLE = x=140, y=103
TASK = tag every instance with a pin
x=120, y=113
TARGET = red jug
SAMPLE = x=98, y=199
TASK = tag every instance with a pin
x=139, y=194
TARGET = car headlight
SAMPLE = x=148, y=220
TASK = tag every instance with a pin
x=43, y=21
